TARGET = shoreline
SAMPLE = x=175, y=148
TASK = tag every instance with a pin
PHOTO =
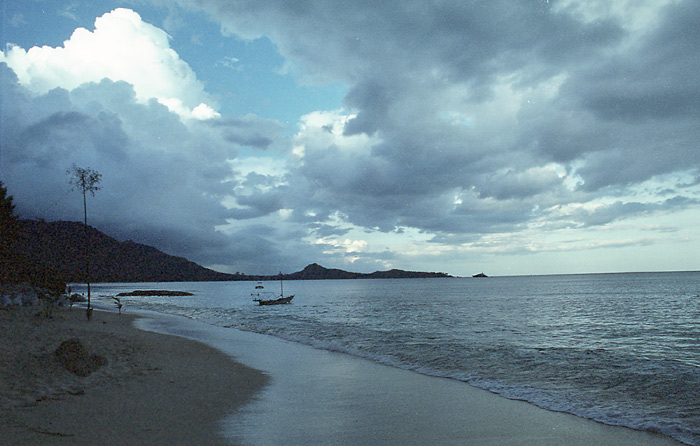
x=174, y=380
x=324, y=397
x=155, y=389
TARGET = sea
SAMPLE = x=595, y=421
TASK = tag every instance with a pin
x=621, y=349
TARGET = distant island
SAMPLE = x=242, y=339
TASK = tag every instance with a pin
x=317, y=272
x=58, y=246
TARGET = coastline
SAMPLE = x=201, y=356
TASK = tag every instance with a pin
x=171, y=380
x=325, y=397
x=155, y=389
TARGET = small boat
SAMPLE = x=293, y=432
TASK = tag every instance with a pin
x=269, y=298
x=278, y=301
x=480, y=275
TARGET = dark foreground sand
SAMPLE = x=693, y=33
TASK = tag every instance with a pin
x=155, y=390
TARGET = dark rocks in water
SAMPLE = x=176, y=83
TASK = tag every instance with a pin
x=76, y=359
x=156, y=293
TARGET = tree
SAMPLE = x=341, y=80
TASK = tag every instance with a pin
x=85, y=180
x=9, y=228
x=9, y=224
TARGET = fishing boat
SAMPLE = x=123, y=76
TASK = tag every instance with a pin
x=269, y=298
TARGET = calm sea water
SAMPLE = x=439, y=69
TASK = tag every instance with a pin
x=623, y=349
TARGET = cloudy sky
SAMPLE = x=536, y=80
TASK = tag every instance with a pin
x=510, y=137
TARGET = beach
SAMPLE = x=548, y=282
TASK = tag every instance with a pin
x=322, y=397
x=172, y=380
x=155, y=389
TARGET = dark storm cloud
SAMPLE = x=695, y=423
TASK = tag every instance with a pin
x=163, y=181
x=261, y=204
x=613, y=104
x=618, y=210
x=249, y=131
x=461, y=119
x=327, y=230
x=656, y=80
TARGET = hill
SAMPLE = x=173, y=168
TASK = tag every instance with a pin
x=59, y=246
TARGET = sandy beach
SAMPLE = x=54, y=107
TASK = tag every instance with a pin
x=155, y=389
x=160, y=389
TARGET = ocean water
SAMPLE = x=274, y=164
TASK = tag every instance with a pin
x=622, y=349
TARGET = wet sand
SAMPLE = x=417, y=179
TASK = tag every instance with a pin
x=155, y=389
x=326, y=398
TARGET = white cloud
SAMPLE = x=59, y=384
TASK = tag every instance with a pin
x=347, y=245
x=636, y=15
x=121, y=48
x=322, y=129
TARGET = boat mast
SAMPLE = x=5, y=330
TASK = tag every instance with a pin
x=281, y=285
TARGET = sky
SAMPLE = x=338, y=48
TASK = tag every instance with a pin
x=509, y=137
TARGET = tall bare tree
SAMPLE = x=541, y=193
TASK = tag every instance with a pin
x=85, y=180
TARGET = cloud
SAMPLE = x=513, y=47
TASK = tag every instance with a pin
x=465, y=126
x=249, y=130
x=606, y=214
x=536, y=84
x=475, y=119
x=654, y=78
x=164, y=180
x=166, y=177
x=121, y=48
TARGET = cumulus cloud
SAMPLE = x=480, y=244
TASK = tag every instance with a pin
x=157, y=179
x=122, y=48
x=165, y=177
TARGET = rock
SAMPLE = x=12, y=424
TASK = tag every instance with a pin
x=76, y=359
x=77, y=298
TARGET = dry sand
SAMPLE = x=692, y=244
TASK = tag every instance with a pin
x=155, y=389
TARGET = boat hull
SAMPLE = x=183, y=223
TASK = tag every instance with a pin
x=280, y=301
